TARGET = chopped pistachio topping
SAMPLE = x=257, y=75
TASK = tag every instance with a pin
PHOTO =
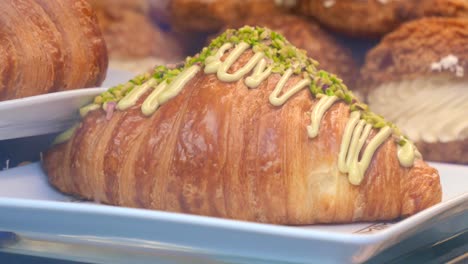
x=280, y=54
x=116, y=93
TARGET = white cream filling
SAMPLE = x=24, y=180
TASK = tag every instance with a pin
x=425, y=109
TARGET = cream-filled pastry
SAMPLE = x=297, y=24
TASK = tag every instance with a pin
x=416, y=77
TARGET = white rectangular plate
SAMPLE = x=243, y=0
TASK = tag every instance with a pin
x=32, y=209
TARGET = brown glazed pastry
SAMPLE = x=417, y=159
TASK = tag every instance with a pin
x=363, y=18
x=417, y=78
x=131, y=37
x=210, y=15
x=49, y=46
x=307, y=35
x=374, y=18
x=243, y=131
x=439, y=8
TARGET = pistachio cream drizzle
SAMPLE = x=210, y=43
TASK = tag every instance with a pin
x=318, y=112
x=272, y=54
x=355, y=135
x=66, y=135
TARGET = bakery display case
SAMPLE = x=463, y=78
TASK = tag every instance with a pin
x=261, y=131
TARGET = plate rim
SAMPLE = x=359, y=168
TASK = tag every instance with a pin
x=246, y=226
x=50, y=97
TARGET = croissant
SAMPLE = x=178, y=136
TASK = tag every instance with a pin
x=48, y=46
x=247, y=129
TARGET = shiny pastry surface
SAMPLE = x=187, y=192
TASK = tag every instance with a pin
x=49, y=46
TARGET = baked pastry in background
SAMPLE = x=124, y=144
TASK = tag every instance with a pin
x=307, y=35
x=363, y=18
x=247, y=129
x=417, y=78
x=438, y=8
x=208, y=15
x=374, y=18
x=133, y=41
x=140, y=6
x=49, y=46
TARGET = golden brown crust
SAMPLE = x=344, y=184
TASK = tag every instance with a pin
x=211, y=16
x=88, y=38
x=235, y=157
x=420, y=188
x=49, y=46
x=48, y=52
x=408, y=52
x=307, y=35
x=364, y=18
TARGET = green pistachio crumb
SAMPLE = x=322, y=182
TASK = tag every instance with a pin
x=280, y=55
x=98, y=100
x=402, y=142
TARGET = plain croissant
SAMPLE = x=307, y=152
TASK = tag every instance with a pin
x=242, y=148
x=48, y=46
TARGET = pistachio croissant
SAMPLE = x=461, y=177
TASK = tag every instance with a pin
x=247, y=129
x=48, y=46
